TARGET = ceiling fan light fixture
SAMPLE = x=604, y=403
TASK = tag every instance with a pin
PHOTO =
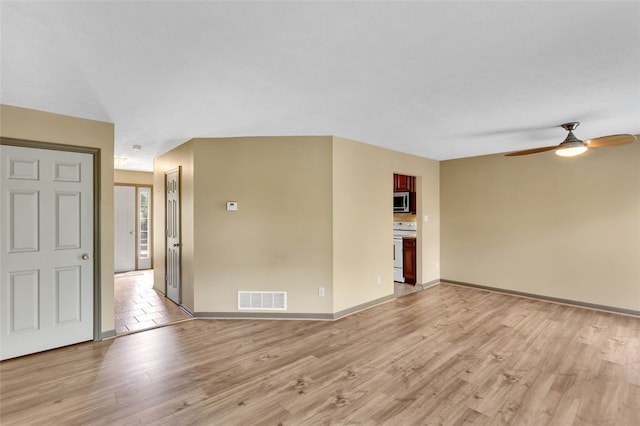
x=571, y=149
x=571, y=146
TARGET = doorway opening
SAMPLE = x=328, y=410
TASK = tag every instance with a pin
x=137, y=306
x=406, y=206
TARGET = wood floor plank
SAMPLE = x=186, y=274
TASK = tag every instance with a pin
x=447, y=355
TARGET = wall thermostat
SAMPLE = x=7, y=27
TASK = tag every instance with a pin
x=232, y=206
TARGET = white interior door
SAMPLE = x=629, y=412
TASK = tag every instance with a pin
x=125, y=228
x=173, y=261
x=46, y=260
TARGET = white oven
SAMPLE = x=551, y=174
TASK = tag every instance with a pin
x=400, y=230
x=398, y=274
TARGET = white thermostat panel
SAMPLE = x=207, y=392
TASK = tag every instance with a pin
x=232, y=206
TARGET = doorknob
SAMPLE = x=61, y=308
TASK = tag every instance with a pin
x=85, y=256
x=176, y=245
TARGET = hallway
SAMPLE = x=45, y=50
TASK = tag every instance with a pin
x=139, y=307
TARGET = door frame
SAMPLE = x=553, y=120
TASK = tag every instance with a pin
x=137, y=186
x=419, y=218
x=97, y=254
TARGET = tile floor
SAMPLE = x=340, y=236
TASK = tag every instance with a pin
x=139, y=307
x=401, y=289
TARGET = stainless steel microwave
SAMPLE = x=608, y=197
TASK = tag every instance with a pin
x=401, y=202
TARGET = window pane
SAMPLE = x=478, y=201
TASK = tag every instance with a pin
x=144, y=222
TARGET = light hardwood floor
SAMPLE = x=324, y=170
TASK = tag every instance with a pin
x=446, y=355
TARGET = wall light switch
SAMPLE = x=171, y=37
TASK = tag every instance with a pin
x=232, y=206
x=426, y=218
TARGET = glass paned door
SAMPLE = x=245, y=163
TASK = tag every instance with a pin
x=144, y=228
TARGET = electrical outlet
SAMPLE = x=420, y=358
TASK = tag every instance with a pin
x=321, y=291
x=379, y=279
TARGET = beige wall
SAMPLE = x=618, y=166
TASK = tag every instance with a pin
x=541, y=224
x=132, y=177
x=363, y=218
x=182, y=156
x=280, y=237
x=20, y=123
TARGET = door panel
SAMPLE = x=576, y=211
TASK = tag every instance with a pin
x=67, y=211
x=46, y=263
x=125, y=225
x=173, y=267
x=24, y=289
x=67, y=172
x=23, y=221
x=68, y=302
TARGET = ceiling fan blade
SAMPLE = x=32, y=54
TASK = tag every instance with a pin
x=531, y=151
x=613, y=140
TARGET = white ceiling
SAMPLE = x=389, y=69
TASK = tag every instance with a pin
x=437, y=79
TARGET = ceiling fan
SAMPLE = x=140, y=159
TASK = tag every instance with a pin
x=573, y=146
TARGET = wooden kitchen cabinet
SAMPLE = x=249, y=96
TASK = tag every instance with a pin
x=402, y=183
x=409, y=260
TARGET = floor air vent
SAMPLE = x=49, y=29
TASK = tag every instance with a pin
x=262, y=300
